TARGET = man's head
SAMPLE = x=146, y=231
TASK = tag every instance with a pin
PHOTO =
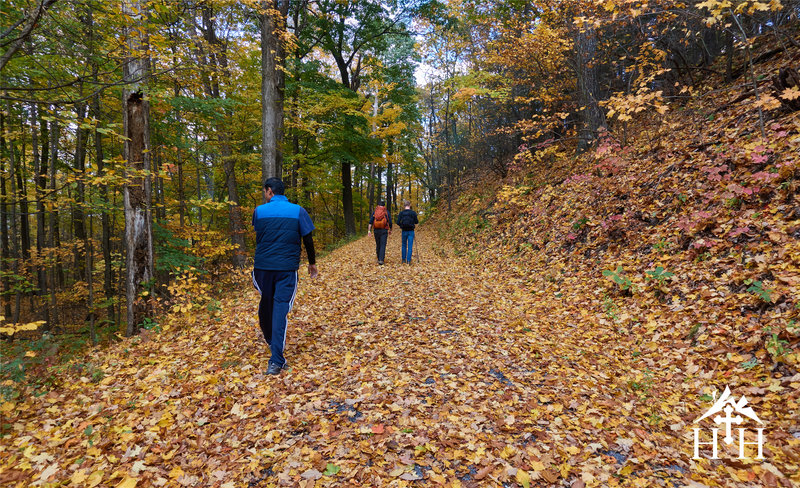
x=381, y=203
x=406, y=204
x=273, y=186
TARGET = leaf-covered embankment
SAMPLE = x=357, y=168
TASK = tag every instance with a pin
x=679, y=252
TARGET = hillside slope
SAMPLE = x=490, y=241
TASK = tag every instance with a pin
x=683, y=245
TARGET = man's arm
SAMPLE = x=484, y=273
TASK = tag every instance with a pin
x=308, y=242
x=306, y=228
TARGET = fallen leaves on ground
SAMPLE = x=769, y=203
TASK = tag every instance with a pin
x=441, y=372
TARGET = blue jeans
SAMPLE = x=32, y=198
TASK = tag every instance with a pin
x=407, y=245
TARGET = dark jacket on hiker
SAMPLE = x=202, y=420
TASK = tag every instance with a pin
x=407, y=219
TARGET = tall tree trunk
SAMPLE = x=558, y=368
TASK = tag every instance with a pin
x=371, y=182
x=235, y=220
x=40, y=180
x=15, y=255
x=54, y=236
x=347, y=198
x=22, y=194
x=273, y=24
x=137, y=191
x=108, y=271
x=89, y=249
x=389, y=184
x=181, y=195
x=161, y=206
x=199, y=183
x=294, y=116
x=5, y=248
x=78, y=213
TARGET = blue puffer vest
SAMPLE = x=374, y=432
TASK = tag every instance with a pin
x=277, y=226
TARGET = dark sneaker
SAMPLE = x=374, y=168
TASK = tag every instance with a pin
x=274, y=369
x=380, y=262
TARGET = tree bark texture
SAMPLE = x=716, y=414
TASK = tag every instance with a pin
x=137, y=190
x=273, y=54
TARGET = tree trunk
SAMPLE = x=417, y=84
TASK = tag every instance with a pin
x=40, y=180
x=54, y=236
x=236, y=223
x=181, y=195
x=89, y=249
x=5, y=249
x=371, y=182
x=108, y=272
x=347, y=199
x=273, y=23
x=137, y=191
x=22, y=195
x=199, y=182
x=78, y=214
x=15, y=256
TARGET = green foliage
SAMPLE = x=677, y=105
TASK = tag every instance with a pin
x=661, y=246
x=173, y=253
x=610, y=308
x=757, y=288
x=150, y=324
x=750, y=363
x=693, y=333
x=642, y=386
x=659, y=275
x=578, y=224
x=776, y=346
x=617, y=276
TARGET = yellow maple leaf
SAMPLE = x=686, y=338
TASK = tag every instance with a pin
x=176, y=472
x=78, y=477
x=523, y=478
x=128, y=482
x=791, y=93
x=94, y=479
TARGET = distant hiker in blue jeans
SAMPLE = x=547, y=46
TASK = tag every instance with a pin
x=407, y=220
x=279, y=226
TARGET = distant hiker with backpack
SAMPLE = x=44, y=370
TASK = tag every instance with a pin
x=407, y=220
x=279, y=226
x=381, y=221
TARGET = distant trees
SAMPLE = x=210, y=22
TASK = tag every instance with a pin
x=532, y=74
x=134, y=137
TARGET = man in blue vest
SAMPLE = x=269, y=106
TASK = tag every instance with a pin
x=279, y=226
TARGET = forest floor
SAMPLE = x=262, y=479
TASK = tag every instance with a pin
x=443, y=372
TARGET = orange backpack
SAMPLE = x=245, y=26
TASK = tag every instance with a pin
x=381, y=218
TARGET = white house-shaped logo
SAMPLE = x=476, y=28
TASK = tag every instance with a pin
x=728, y=404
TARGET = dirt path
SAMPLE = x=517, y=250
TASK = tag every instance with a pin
x=438, y=372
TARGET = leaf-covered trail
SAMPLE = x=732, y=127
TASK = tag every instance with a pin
x=399, y=375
